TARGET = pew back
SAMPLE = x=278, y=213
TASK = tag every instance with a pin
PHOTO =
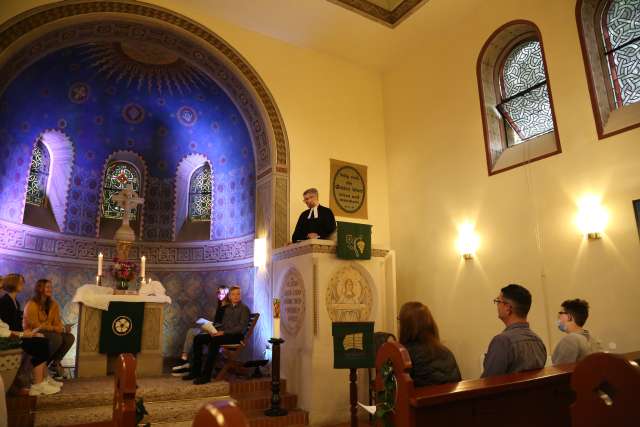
x=219, y=413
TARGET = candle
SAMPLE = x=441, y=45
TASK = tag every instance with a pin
x=276, y=327
x=100, y=256
x=143, y=265
x=97, y=280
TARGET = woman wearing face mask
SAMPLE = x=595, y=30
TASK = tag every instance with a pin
x=182, y=368
x=577, y=343
x=43, y=312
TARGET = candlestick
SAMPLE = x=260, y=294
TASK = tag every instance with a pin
x=100, y=257
x=143, y=265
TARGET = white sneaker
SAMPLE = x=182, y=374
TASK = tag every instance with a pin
x=53, y=382
x=43, y=388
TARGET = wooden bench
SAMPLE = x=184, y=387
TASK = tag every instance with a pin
x=220, y=413
x=528, y=399
x=124, y=395
x=231, y=352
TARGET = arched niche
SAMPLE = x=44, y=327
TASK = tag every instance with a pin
x=183, y=229
x=39, y=31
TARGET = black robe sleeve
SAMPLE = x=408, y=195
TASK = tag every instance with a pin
x=298, y=233
x=327, y=222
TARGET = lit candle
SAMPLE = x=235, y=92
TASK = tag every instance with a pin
x=100, y=256
x=276, y=327
x=97, y=280
x=143, y=265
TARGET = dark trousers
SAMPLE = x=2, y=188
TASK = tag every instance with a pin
x=37, y=348
x=59, y=344
x=213, y=343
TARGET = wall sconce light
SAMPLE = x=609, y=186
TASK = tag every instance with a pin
x=592, y=217
x=260, y=252
x=468, y=240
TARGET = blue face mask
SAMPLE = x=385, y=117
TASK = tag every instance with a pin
x=561, y=325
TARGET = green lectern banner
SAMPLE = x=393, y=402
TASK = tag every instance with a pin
x=353, y=345
x=354, y=240
x=121, y=328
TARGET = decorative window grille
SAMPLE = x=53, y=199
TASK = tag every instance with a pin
x=525, y=105
x=116, y=178
x=621, y=38
x=200, y=194
x=38, y=175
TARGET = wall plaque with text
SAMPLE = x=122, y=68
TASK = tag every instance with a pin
x=348, y=189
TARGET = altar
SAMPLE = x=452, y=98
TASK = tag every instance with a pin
x=94, y=302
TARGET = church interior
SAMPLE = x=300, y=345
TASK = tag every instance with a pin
x=497, y=138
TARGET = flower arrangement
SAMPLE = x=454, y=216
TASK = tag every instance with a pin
x=123, y=271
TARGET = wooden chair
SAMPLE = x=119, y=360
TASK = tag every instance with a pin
x=219, y=413
x=231, y=352
x=607, y=392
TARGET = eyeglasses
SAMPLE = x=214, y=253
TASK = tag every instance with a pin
x=562, y=312
x=499, y=301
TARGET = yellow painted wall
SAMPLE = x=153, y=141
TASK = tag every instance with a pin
x=438, y=178
x=331, y=108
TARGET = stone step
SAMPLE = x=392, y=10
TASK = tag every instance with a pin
x=90, y=392
x=261, y=400
x=166, y=412
x=254, y=384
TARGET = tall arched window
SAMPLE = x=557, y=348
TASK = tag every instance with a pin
x=515, y=95
x=621, y=35
x=200, y=194
x=116, y=177
x=38, y=175
x=610, y=39
x=525, y=102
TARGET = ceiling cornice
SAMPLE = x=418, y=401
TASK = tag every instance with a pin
x=390, y=18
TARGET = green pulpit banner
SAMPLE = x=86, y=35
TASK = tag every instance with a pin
x=353, y=345
x=121, y=328
x=354, y=240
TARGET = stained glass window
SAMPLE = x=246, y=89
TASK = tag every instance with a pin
x=621, y=34
x=38, y=175
x=117, y=176
x=200, y=194
x=525, y=102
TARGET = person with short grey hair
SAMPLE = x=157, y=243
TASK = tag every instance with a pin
x=317, y=222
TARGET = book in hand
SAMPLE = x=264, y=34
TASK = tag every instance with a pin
x=206, y=325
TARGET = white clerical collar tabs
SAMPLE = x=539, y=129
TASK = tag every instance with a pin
x=314, y=211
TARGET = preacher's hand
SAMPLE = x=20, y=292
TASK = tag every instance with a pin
x=313, y=236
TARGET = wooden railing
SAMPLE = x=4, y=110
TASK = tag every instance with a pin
x=528, y=399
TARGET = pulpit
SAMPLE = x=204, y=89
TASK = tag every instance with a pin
x=94, y=301
x=316, y=289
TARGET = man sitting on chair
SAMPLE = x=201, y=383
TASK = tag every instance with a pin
x=234, y=323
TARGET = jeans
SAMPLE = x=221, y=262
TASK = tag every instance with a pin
x=214, y=344
x=59, y=344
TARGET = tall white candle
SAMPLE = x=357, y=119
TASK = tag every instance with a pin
x=100, y=256
x=276, y=327
x=143, y=265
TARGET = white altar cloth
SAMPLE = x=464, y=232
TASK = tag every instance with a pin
x=100, y=296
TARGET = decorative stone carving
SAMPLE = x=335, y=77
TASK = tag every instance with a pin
x=292, y=296
x=349, y=296
x=90, y=330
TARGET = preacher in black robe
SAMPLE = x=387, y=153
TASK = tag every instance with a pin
x=315, y=220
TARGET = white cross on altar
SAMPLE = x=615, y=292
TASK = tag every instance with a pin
x=127, y=199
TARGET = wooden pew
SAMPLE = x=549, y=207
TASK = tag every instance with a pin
x=219, y=413
x=607, y=390
x=529, y=399
x=124, y=395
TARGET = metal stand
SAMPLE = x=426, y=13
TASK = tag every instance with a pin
x=353, y=396
x=276, y=410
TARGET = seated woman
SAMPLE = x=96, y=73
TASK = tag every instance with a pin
x=32, y=342
x=183, y=367
x=42, y=312
x=432, y=362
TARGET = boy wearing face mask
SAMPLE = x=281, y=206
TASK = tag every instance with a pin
x=578, y=343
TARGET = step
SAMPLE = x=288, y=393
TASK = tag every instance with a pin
x=261, y=400
x=254, y=384
x=92, y=392
x=166, y=412
x=293, y=418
